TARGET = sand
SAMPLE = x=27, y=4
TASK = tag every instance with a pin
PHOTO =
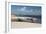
x=25, y=25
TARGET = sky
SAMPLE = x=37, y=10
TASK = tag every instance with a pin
x=25, y=10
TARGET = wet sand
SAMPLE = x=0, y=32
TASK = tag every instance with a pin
x=25, y=25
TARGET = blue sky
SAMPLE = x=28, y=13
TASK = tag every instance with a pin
x=26, y=10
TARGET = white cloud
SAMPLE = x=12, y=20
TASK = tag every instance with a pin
x=23, y=9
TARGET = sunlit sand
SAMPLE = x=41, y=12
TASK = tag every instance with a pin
x=25, y=25
x=29, y=24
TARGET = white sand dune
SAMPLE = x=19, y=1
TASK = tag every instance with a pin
x=26, y=19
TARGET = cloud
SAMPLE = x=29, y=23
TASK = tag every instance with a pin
x=23, y=9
